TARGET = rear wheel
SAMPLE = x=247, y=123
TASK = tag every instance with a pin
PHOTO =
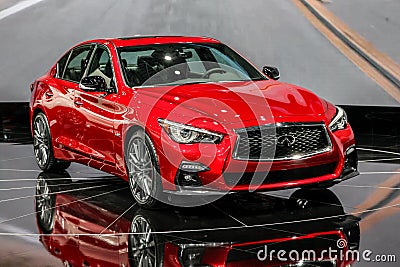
x=42, y=146
x=143, y=170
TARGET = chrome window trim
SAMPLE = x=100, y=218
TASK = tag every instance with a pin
x=284, y=124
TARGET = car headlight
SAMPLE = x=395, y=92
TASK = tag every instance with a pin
x=185, y=134
x=339, y=122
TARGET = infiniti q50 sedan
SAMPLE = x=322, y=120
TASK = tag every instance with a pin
x=185, y=116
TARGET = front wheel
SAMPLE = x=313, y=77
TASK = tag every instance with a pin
x=143, y=170
x=42, y=146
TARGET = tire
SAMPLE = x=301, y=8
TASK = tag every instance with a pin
x=42, y=146
x=143, y=170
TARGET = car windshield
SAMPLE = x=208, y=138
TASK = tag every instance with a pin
x=176, y=64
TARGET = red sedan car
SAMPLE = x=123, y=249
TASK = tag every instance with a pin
x=185, y=116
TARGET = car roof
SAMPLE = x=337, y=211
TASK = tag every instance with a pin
x=139, y=40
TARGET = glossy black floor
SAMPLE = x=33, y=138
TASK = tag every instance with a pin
x=97, y=223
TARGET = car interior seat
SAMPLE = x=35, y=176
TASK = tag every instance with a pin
x=131, y=75
x=106, y=74
x=108, y=70
x=147, y=67
x=174, y=66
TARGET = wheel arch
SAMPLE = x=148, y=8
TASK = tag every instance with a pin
x=131, y=130
x=35, y=111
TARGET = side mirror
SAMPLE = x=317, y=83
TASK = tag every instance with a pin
x=93, y=84
x=271, y=72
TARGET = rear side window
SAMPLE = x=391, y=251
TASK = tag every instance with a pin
x=61, y=65
x=77, y=63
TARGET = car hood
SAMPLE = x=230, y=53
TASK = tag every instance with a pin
x=237, y=104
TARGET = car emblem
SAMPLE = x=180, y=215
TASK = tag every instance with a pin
x=286, y=140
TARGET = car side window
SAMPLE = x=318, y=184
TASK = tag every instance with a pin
x=61, y=65
x=101, y=66
x=77, y=63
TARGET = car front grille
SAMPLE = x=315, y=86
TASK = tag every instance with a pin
x=282, y=141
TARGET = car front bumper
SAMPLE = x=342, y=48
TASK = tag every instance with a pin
x=215, y=171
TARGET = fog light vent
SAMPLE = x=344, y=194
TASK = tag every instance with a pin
x=188, y=173
x=351, y=161
x=188, y=179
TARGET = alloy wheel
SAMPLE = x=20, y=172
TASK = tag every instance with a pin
x=141, y=170
x=41, y=141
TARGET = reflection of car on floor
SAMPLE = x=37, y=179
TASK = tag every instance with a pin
x=173, y=114
x=83, y=228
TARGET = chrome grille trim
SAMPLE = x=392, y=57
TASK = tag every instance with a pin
x=327, y=148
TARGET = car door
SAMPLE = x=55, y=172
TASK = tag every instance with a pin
x=98, y=109
x=65, y=119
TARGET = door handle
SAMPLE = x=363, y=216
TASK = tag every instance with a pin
x=78, y=102
x=49, y=93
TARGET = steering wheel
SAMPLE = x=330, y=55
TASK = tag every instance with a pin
x=212, y=71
